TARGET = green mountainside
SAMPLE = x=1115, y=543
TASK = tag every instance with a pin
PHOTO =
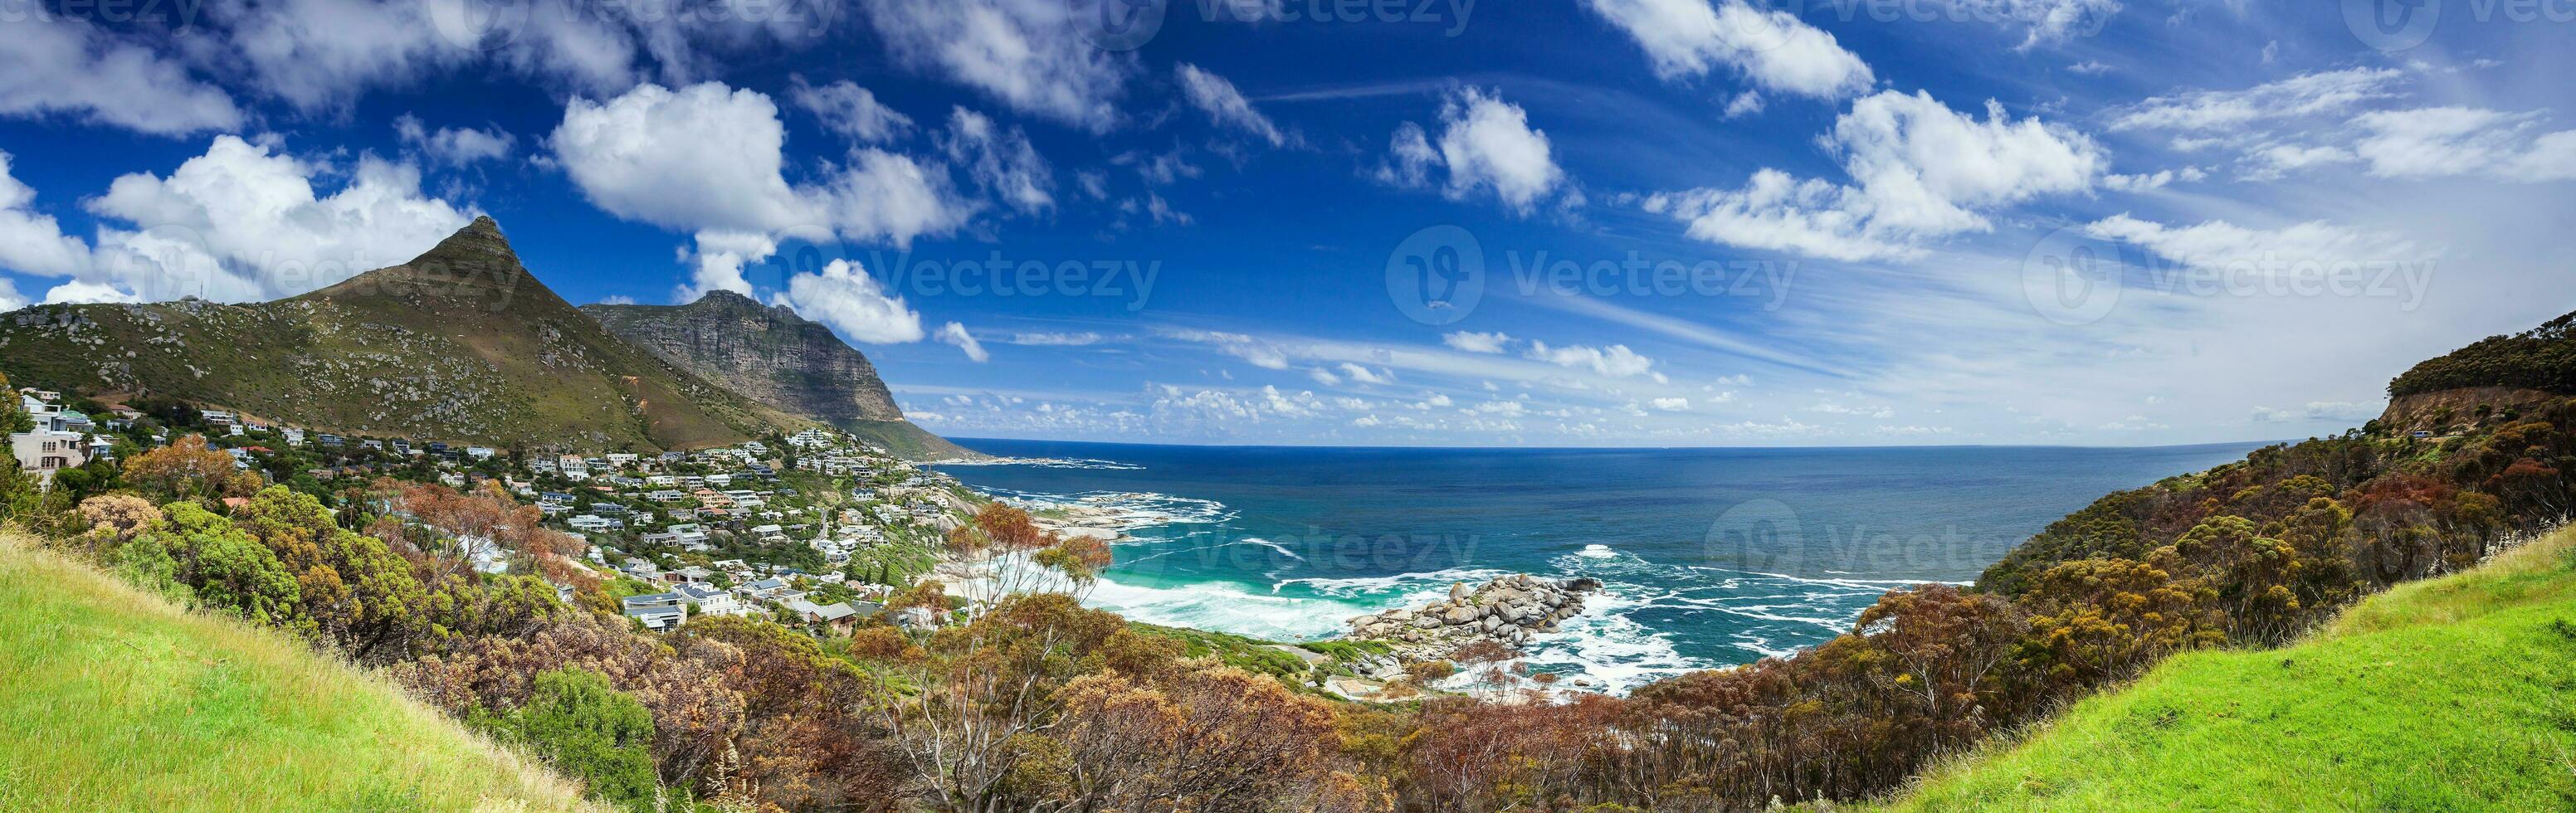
x=461, y=344
x=2456, y=693
x=116, y=699
x=772, y=356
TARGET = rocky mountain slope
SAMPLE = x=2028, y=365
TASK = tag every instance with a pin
x=461, y=344
x=777, y=358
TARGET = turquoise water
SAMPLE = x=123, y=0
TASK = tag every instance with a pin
x=1709, y=557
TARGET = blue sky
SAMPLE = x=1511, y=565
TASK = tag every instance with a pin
x=1595, y=222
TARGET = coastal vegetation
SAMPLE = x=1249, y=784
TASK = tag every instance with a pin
x=998, y=690
x=2444, y=694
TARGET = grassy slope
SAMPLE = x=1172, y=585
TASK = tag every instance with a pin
x=2456, y=693
x=118, y=700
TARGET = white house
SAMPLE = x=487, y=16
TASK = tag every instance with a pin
x=56, y=442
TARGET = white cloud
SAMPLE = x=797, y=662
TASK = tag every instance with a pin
x=1081, y=339
x=1324, y=376
x=954, y=333
x=1218, y=98
x=2218, y=244
x=1922, y=170
x=2046, y=21
x=454, y=146
x=1615, y=361
x=2442, y=141
x=30, y=240
x=1261, y=353
x=239, y=223
x=2088, y=68
x=1671, y=404
x=1022, y=52
x=78, y=292
x=849, y=110
x=1486, y=144
x=2303, y=95
x=1363, y=375
x=643, y=156
x=848, y=298
x=1410, y=158
x=1777, y=212
x=65, y=66
x=1001, y=161
x=1474, y=342
x=1774, y=49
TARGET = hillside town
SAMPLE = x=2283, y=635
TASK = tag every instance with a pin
x=814, y=530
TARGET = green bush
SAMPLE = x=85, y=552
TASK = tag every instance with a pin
x=588, y=729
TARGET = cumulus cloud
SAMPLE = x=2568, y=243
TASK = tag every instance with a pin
x=643, y=156
x=1021, y=52
x=452, y=145
x=30, y=240
x=1474, y=342
x=1773, y=49
x=1919, y=170
x=66, y=66
x=954, y=333
x=849, y=110
x=848, y=298
x=1218, y=98
x=1487, y=146
x=1671, y=404
x=238, y=223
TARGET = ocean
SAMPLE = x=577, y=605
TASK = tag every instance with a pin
x=1708, y=557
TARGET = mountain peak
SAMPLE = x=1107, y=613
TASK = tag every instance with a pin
x=479, y=243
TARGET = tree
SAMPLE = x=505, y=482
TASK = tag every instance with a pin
x=1212, y=739
x=189, y=470
x=227, y=567
x=584, y=727
x=13, y=415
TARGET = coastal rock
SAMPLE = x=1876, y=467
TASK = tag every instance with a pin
x=1509, y=610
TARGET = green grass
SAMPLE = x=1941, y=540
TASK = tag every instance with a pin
x=1247, y=654
x=2456, y=693
x=112, y=699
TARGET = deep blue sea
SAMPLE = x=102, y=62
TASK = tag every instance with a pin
x=1709, y=557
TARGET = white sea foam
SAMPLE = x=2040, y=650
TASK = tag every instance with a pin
x=1597, y=552
x=1127, y=510
x=1229, y=607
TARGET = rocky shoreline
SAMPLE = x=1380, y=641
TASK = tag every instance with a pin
x=1508, y=610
